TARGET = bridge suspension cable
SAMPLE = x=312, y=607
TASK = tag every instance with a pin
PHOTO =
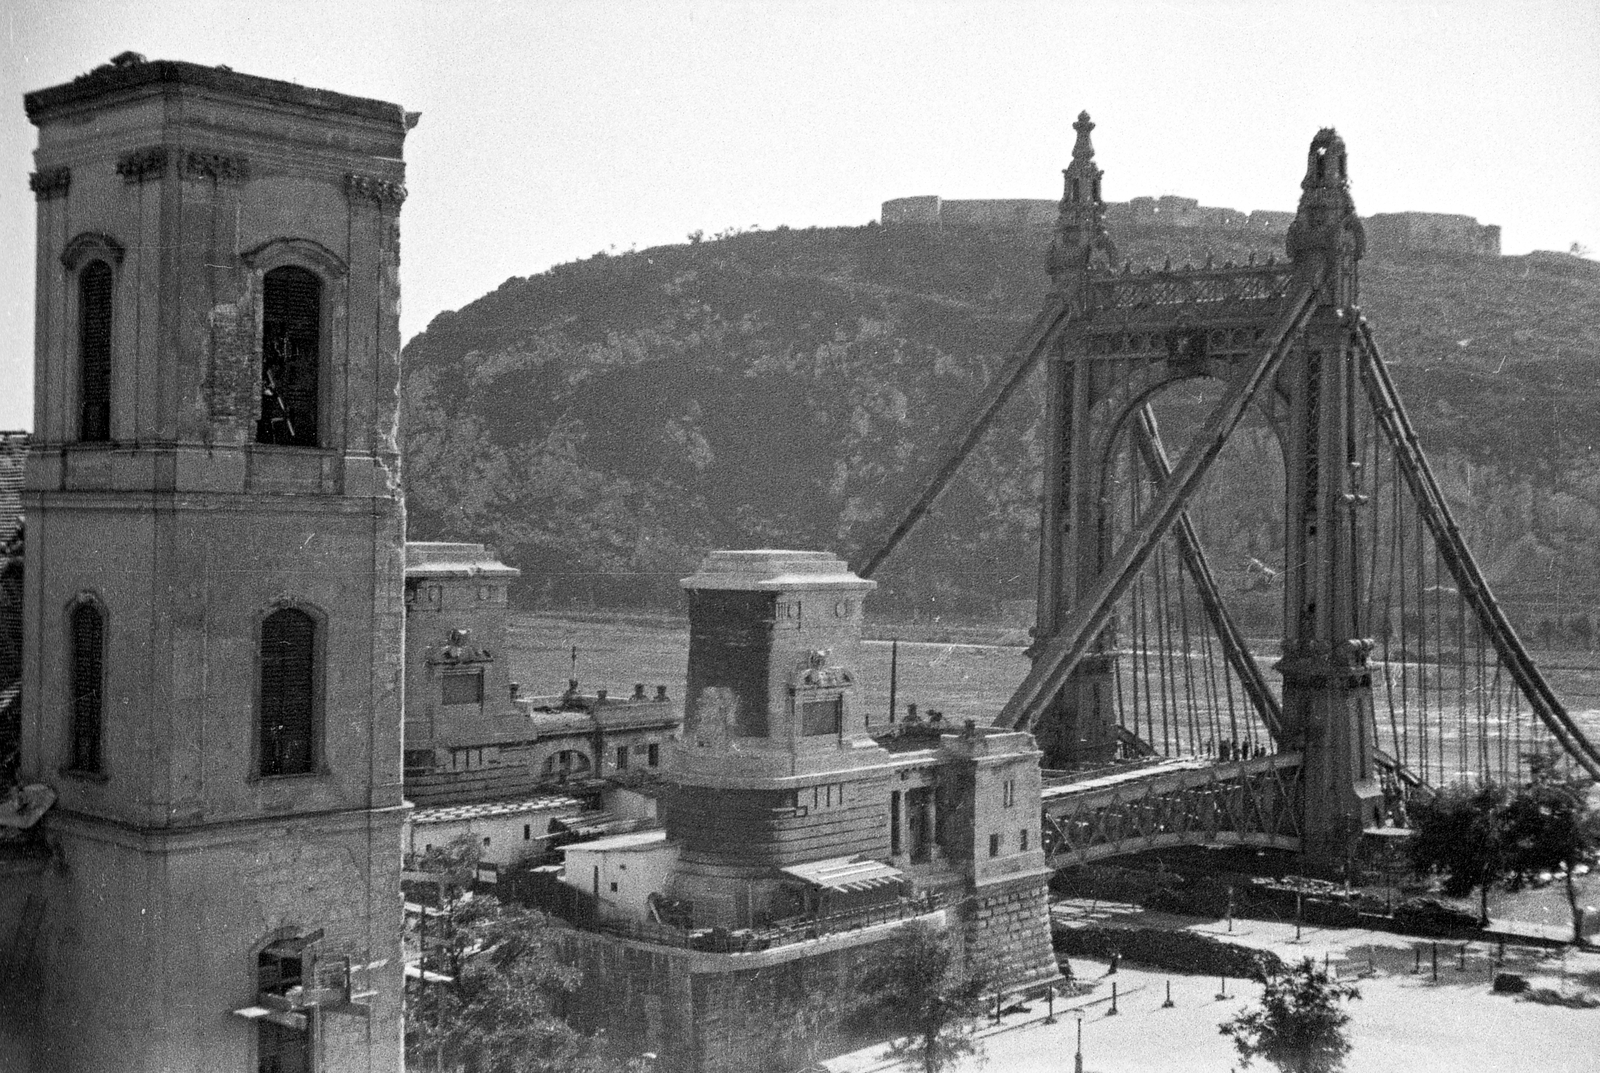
x=1480, y=698
x=1038, y=339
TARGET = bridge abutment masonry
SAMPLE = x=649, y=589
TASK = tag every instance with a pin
x=781, y=767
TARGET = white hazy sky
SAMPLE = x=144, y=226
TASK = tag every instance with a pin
x=551, y=130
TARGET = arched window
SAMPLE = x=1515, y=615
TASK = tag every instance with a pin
x=87, y=686
x=94, y=352
x=288, y=693
x=291, y=339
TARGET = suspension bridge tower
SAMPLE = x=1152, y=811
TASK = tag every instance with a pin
x=1327, y=685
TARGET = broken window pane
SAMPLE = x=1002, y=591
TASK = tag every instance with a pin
x=291, y=336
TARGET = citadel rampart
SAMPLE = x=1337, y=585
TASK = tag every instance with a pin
x=1385, y=231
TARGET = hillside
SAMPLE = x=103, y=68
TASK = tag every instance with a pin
x=607, y=421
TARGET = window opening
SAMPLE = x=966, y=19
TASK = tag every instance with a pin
x=88, y=686
x=654, y=758
x=464, y=688
x=280, y=974
x=894, y=823
x=291, y=335
x=821, y=716
x=94, y=352
x=287, y=692
x=566, y=763
x=622, y=758
x=994, y=845
x=1022, y=840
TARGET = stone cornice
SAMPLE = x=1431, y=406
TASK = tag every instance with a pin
x=385, y=192
x=219, y=167
x=120, y=78
x=143, y=165
x=48, y=183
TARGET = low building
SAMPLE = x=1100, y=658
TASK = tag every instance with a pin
x=623, y=873
x=504, y=832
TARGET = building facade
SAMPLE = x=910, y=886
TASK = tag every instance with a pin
x=472, y=734
x=213, y=599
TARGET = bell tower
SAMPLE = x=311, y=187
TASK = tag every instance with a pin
x=214, y=582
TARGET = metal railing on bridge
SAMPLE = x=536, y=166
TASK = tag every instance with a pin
x=1191, y=801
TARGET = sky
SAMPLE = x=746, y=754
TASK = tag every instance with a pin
x=553, y=130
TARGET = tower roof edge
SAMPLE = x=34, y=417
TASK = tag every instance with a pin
x=123, y=75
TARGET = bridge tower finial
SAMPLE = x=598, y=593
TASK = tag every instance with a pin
x=1083, y=175
x=1080, y=228
x=1326, y=228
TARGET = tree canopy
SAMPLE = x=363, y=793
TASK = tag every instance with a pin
x=491, y=999
x=1461, y=832
x=1552, y=826
x=1299, y=1026
x=925, y=1001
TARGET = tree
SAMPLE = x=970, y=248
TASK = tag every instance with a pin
x=1461, y=832
x=926, y=1003
x=1553, y=826
x=1299, y=1026
x=492, y=1004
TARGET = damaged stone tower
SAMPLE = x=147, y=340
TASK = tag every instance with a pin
x=214, y=607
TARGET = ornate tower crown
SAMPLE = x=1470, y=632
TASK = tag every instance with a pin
x=1082, y=186
x=1080, y=228
x=1326, y=225
x=1325, y=162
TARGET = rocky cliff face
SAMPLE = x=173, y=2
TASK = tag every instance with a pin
x=607, y=421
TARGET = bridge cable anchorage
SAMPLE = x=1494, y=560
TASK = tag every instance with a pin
x=1147, y=435
x=1039, y=337
x=1473, y=588
x=1057, y=659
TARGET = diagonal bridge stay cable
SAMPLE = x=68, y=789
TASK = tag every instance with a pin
x=1044, y=331
x=1430, y=501
x=1056, y=660
x=1147, y=434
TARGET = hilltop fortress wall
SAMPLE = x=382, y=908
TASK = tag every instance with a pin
x=1387, y=231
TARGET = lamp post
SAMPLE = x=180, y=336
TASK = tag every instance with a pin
x=1077, y=1059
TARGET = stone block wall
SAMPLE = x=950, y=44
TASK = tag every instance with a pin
x=1386, y=231
x=1390, y=231
x=722, y=1013
x=1027, y=214
x=1006, y=932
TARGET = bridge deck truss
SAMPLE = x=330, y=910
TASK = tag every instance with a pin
x=1240, y=803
